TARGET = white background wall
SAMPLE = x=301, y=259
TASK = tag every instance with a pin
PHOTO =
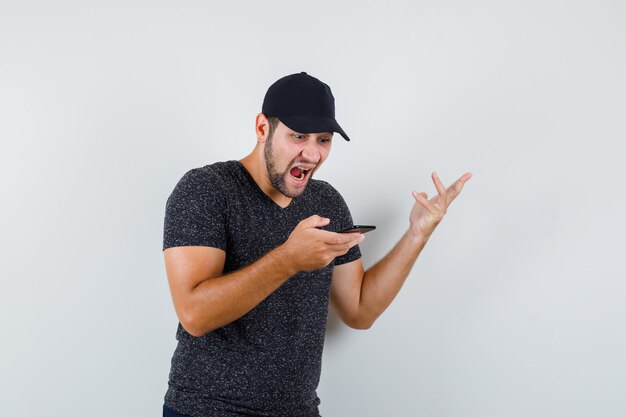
x=516, y=307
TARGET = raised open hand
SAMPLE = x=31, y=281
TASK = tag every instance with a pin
x=427, y=214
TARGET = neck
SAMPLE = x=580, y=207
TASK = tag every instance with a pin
x=254, y=163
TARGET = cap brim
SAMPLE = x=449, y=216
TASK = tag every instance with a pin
x=309, y=124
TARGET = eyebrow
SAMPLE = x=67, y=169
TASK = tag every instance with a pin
x=326, y=134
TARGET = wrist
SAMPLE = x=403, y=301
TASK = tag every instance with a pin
x=418, y=237
x=284, y=260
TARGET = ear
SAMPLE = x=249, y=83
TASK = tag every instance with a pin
x=262, y=128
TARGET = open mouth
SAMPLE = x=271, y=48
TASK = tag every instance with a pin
x=299, y=173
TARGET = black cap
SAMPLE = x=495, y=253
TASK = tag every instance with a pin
x=303, y=103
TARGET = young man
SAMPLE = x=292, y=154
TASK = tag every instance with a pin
x=253, y=258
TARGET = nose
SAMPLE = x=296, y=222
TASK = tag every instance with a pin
x=311, y=152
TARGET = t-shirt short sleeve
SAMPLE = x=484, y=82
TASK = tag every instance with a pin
x=195, y=212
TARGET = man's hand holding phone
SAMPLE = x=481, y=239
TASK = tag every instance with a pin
x=308, y=248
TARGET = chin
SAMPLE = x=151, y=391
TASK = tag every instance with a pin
x=293, y=192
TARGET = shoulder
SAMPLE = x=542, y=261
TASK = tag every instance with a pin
x=196, y=210
x=210, y=183
x=218, y=171
x=213, y=177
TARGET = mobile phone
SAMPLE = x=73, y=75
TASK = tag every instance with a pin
x=358, y=228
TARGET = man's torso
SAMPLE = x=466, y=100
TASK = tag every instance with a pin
x=268, y=362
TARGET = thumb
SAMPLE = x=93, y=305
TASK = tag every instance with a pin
x=315, y=221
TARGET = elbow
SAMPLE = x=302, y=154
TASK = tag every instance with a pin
x=365, y=326
x=193, y=331
x=192, y=324
x=358, y=318
x=361, y=323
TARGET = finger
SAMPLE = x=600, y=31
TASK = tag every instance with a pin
x=422, y=199
x=315, y=221
x=354, y=239
x=441, y=190
x=455, y=189
x=342, y=248
x=461, y=181
x=333, y=238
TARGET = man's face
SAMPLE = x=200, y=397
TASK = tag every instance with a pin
x=292, y=158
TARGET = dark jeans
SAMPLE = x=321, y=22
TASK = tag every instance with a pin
x=168, y=412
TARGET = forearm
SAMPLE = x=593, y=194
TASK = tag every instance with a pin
x=362, y=298
x=205, y=299
x=382, y=282
x=218, y=301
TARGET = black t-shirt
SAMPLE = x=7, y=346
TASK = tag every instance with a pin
x=268, y=362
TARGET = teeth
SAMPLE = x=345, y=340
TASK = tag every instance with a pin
x=303, y=172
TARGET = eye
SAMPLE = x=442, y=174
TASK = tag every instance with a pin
x=325, y=139
x=298, y=136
